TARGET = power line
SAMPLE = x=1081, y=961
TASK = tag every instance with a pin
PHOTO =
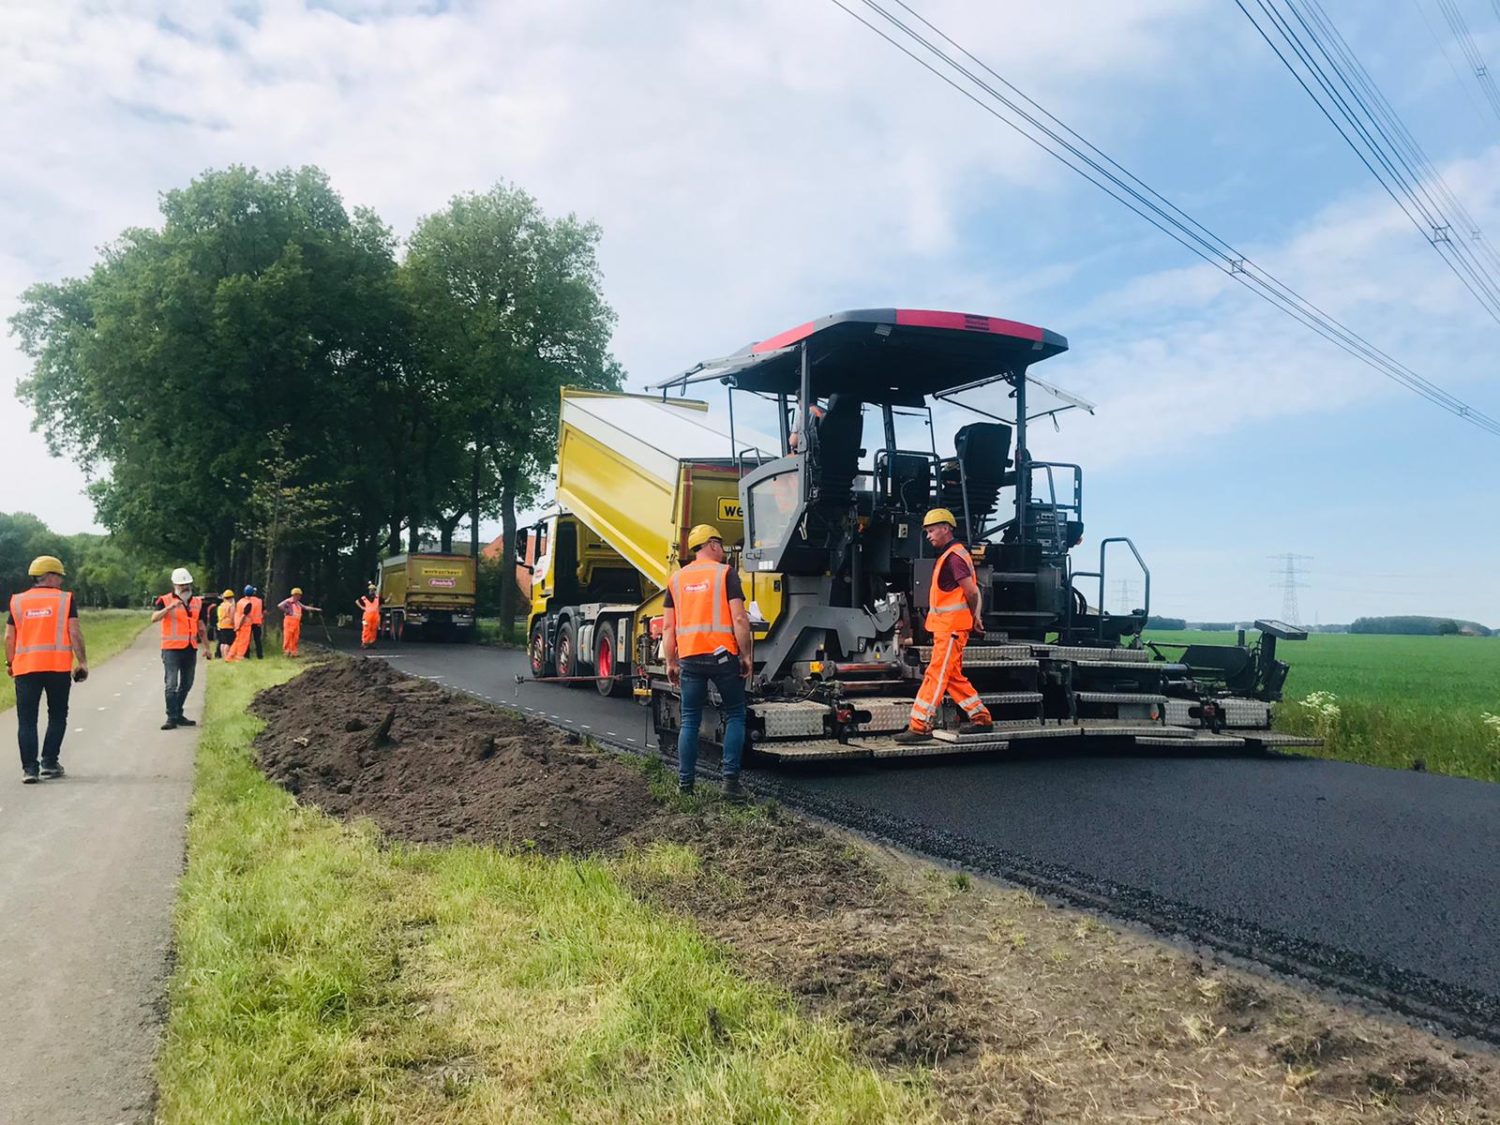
x=1475, y=60
x=1290, y=582
x=1020, y=113
x=1346, y=96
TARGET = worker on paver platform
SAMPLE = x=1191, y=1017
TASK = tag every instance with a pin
x=953, y=613
x=224, y=625
x=369, y=620
x=44, y=653
x=183, y=631
x=706, y=637
x=243, y=628
x=291, y=620
x=257, y=612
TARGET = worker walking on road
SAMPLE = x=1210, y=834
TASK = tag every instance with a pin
x=706, y=637
x=183, y=632
x=291, y=621
x=44, y=653
x=369, y=621
x=954, y=612
x=224, y=624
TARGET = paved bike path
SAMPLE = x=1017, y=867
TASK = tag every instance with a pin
x=88, y=875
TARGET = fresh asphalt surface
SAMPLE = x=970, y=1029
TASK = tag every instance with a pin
x=1381, y=882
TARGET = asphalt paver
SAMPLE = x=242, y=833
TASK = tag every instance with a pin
x=89, y=866
x=1376, y=877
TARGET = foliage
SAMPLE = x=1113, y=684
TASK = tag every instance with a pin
x=283, y=507
x=1416, y=625
x=105, y=633
x=1166, y=623
x=102, y=573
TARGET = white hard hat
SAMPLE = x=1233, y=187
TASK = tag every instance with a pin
x=181, y=577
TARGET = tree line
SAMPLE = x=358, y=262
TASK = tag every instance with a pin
x=102, y=572
x=279, y=390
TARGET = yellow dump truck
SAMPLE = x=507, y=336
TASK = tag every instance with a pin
x=427, y=595
x=635, y=473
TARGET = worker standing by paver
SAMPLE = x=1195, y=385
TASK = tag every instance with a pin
x=953, y=613
x=183, y=631
x=44, y=653
x=706, y=637
x=291, y=620
x=369, y=620
x=257, y=613
x=224, y=624
x=242, y=630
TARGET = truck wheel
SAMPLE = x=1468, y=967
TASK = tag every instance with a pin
x=567, y=651
x=608, y=663
x=540, y=665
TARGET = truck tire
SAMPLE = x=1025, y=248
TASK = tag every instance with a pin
x=608, y=663
x=566, y=656
x=541, y=659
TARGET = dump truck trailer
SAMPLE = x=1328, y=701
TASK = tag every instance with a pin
x=427, y=595
x=823, y=514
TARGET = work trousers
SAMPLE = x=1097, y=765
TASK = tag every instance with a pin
x=180, y=666
x=945, y=673
x=241, y=643
x=723, y=671
x=291, y=633
x=255, y=634
x=369, y=627
x=29, y=691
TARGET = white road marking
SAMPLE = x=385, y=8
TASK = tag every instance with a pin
x=104, y=708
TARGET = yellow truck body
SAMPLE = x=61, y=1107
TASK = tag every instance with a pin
x=431, y=593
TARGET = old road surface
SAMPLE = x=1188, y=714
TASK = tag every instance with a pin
x=1383, y=883
x=88, y=872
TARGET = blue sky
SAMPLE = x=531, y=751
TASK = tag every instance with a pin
x=759, y=162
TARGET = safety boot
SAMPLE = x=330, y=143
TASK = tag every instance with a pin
x=51, y=770
x=186, y=722
x=911, y=735
x=29, y=775
x=734, y=790
x=976, y=728
x=685, y=786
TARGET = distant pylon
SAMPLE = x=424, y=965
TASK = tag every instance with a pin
x=1124, y=594
x=1290, y=579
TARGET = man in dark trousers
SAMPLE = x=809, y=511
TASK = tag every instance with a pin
x=182, y=634
x=44, y=653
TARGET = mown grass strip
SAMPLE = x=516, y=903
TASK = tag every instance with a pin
x=106, y=632
x=322, y=975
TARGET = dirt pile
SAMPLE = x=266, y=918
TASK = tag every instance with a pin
x=1026, y=1012
x=358, y=739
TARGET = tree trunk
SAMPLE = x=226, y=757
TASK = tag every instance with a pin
x=509, y=591
x=393, y=541
x=474, y=503
x=413, y=533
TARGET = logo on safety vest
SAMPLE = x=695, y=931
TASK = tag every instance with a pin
x=39, y=612
x=694, y=587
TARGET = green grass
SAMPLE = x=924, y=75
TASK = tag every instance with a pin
x=105, y=633
x=1396, y=700
x=324, y=976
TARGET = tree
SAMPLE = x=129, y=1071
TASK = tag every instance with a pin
x=507, y=310
x=284, y=508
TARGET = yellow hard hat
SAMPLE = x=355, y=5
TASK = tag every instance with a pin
x=227, y=594
x=939, y=515
x=702, y=534
x=45, y=564
x=297, y=590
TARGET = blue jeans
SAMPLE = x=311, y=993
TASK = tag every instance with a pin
x=180, y=666
x=30, y=687
x=724, y=671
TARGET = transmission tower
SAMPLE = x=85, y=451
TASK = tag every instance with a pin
x=1289, y=577
x=1124, y=594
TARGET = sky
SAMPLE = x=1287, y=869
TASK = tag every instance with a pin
x=757, y=163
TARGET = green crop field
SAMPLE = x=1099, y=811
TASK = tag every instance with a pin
x=1403, y=702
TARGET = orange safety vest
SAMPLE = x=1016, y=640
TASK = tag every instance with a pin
x=700, y=599
x=949, y=609
x=370, y=605
x=42, y=643
x=257, y=610
x=179, y=628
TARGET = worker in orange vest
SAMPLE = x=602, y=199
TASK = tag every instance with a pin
x=243, y=628
x=291, y=621
x=42, y=643
x=953, y=613
x=224, y=625
x=183, y=633
x=257, y=612
x=706, y=637
x=369, y=620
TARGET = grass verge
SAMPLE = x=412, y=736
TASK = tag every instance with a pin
x=322, y=975
x=105, y=633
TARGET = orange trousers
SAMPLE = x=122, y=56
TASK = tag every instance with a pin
x=291, y=633
x=241, y=643
x=945, y=673
x=369, y=626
